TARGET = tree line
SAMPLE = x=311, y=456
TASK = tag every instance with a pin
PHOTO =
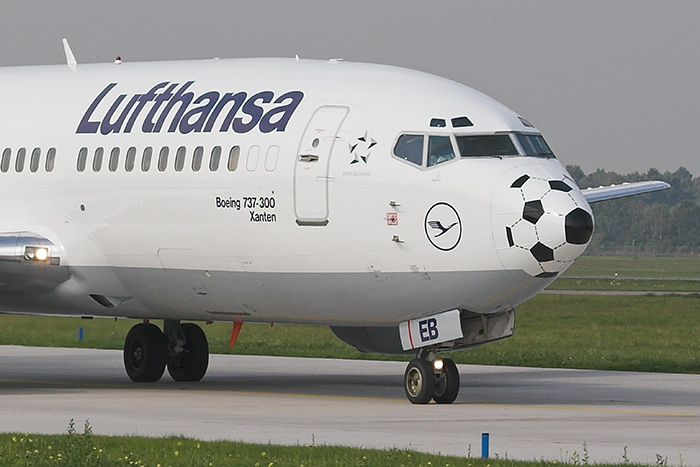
x=661, y=223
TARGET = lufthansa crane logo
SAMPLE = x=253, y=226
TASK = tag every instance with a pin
x=443, y=227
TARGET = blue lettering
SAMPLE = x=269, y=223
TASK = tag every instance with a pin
x=285, y=112
x=148, y=97
x=238, y=100
x=432, y=328
x=253, y=110
x=107, y=126
x=153, y=110
x=86, y=126
x=428, y=329
x=200, y=113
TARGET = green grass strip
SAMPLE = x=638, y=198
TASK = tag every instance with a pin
x=636, y=266
x=84, y=449
x=614, y=285
x=637, y=333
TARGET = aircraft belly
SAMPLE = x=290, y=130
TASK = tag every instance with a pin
x=287, y=297
x=314, y=297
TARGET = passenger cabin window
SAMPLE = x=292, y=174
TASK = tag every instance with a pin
x=114, y=159
x=19, y=163
x=233, y=156
x=180, y=158
x=50, y=160
x=34, y=160
x=271, y=157
x=97, y=160
x=215, y=158
x=82, y=159
x=5, y=163
x=439, y=150
x=130, y=159
x=410, y=148
x=197, y=158
x=163, y=158
x=486, y=145
x=146, y=159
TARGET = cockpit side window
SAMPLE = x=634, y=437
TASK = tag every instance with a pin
x=534, y=145
x=439, y=150
x=410, y=148
x=486, y=145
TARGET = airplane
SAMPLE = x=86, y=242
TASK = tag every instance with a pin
x=410, y=213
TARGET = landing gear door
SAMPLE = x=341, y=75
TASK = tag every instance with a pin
x=312, y=165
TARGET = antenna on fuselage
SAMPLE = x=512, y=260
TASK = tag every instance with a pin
x=70, y=58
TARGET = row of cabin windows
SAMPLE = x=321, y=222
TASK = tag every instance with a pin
x=161, y=160
x=21, y=158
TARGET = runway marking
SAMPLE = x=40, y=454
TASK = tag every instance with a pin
x=157, y=387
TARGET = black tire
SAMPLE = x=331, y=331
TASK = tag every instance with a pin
x=190, y=365
x=145, y=353
x=447, y=386
x=419, y=381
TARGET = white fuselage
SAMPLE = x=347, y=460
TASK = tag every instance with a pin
x=310, y=215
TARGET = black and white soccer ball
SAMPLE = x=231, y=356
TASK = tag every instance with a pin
x=554, y=226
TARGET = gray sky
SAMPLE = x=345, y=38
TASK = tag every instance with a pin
x=611, y=84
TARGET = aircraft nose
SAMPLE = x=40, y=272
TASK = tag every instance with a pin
x=541, y=221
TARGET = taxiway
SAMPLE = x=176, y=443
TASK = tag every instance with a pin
x=529, y=412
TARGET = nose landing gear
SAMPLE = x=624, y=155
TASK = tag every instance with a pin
x=431, y=378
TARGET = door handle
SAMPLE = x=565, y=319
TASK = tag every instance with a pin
x=308, y=158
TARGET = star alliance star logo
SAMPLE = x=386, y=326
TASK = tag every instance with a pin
x=361, y=149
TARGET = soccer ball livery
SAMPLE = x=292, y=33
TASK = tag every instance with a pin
x=553, y=228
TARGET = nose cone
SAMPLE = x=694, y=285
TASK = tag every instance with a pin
x=541, y=222
x=578, y=225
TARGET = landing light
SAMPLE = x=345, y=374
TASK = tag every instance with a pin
x=33, y=253
x=437, y=364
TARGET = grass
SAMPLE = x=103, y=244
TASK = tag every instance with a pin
x=608, y=284
x=631, y=333
x=631, y=273
x=634, y=266
x=85, y=449
x=638, y=333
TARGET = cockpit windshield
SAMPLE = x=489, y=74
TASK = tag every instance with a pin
x=486, y=145
x=429, y=150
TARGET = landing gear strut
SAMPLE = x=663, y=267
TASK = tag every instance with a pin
x=431, y=378
x=183, y=348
